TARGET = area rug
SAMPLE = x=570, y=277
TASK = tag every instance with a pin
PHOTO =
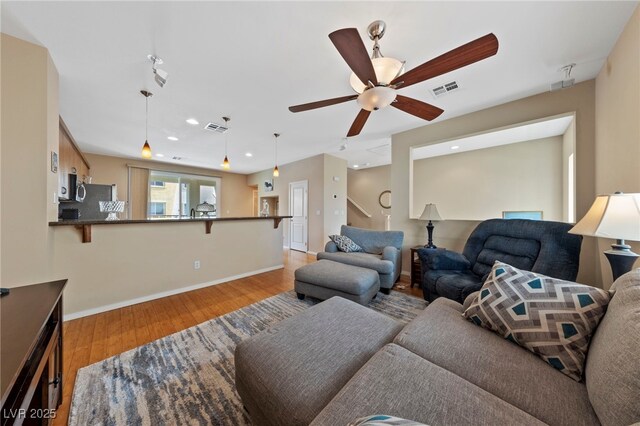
x=187, y=378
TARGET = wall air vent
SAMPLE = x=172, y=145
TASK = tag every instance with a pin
x=218, y=128
x=444, y=89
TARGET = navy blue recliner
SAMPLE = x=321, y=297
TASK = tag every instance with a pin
x=538, y=246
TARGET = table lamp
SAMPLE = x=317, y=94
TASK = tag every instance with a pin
x=614, y=216
x=431, y=214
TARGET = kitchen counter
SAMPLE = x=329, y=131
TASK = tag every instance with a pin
x=85, y=225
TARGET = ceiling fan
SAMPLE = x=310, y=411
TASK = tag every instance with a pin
x=377, y=79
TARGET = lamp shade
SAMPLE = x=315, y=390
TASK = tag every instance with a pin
x=614, y=216
x=430, y=212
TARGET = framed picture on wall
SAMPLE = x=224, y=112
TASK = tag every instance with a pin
x=531, y=214
x=268, y=185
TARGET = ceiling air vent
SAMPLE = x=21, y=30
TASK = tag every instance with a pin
x=177, y=158
x=218, y=128
x=382, y=150
x=444, y=89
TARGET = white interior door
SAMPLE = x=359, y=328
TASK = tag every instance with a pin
x=298, y=206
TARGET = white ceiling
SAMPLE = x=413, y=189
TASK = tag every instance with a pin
x=251, y=60
x=515, y=134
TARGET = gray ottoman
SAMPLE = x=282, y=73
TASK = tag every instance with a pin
x=326, y=278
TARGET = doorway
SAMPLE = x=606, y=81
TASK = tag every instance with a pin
x=298, y=207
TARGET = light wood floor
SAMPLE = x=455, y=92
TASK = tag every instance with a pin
x=94, y=338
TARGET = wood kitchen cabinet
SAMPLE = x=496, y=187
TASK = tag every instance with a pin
x=70, y=160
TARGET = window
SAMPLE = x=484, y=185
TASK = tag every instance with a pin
x=157, y=208
x=176, y=195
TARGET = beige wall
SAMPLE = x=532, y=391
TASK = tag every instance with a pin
x=335, y=195
x=364, y=187
x=481, y=184
x=29, y=85
x=321, y=204
x=453, y=234
x=132, y=263
x=235, y=196
x=617, y=102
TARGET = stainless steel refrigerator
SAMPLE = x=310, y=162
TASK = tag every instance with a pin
x=89, y=209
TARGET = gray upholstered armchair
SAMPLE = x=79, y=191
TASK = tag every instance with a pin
x=382, y=253
x=544, y=247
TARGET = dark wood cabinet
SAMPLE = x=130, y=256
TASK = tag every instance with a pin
x=31, y=350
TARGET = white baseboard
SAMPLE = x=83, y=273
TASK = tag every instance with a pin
x=312, y=253
x=154, y=296
x=285, y=247
x=406, y=273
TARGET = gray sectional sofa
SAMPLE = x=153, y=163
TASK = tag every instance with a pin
x=382, y=253
x=339, y=361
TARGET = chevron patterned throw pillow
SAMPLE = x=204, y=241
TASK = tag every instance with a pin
x=345, y=244
x=552, y=318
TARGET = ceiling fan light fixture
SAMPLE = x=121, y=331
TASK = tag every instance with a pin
x=376, y=98
x=386, y=70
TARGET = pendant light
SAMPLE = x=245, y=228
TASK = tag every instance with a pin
x=225, y=164
x=276, y=172
x=146, y=148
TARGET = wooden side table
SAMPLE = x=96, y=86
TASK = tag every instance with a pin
x=416, y=267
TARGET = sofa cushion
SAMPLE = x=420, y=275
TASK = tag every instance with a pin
x=364, y=260
x=345, y=244
x=399, y=383
x=440, y=334
x=454, y=285
x=550, y=317
x=373, y=241
x=289, y=372
x=613, y=362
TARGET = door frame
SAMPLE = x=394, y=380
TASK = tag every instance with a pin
x=306, y=211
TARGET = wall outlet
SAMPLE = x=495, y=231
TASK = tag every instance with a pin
x=196, y=264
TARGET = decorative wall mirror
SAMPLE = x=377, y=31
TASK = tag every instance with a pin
x=385, y=199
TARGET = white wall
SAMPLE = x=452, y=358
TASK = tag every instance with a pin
x=335, y=195
x=481, y=184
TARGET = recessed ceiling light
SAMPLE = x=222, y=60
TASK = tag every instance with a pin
x=248, y=154
x=355, y=166
x=193, y=121
x=172, y=138
x=455, y=147
x=160, y=155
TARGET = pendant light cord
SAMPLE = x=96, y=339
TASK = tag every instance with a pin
x=146, y=122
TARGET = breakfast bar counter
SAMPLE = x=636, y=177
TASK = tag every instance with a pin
x=85, y=225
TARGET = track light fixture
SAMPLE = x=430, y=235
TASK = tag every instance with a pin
x=160, y=76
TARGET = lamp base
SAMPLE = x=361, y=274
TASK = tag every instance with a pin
x=621, y=260
x=430, y=234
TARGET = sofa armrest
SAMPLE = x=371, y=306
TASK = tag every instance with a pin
x=330, y=247
x=441, y=259
x=469, y=300
x=390, y=253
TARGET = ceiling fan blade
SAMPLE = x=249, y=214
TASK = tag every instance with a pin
x=358, y=123
x=418, y=108
x=459, y=57
x=320, y=104
x=354, y=52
